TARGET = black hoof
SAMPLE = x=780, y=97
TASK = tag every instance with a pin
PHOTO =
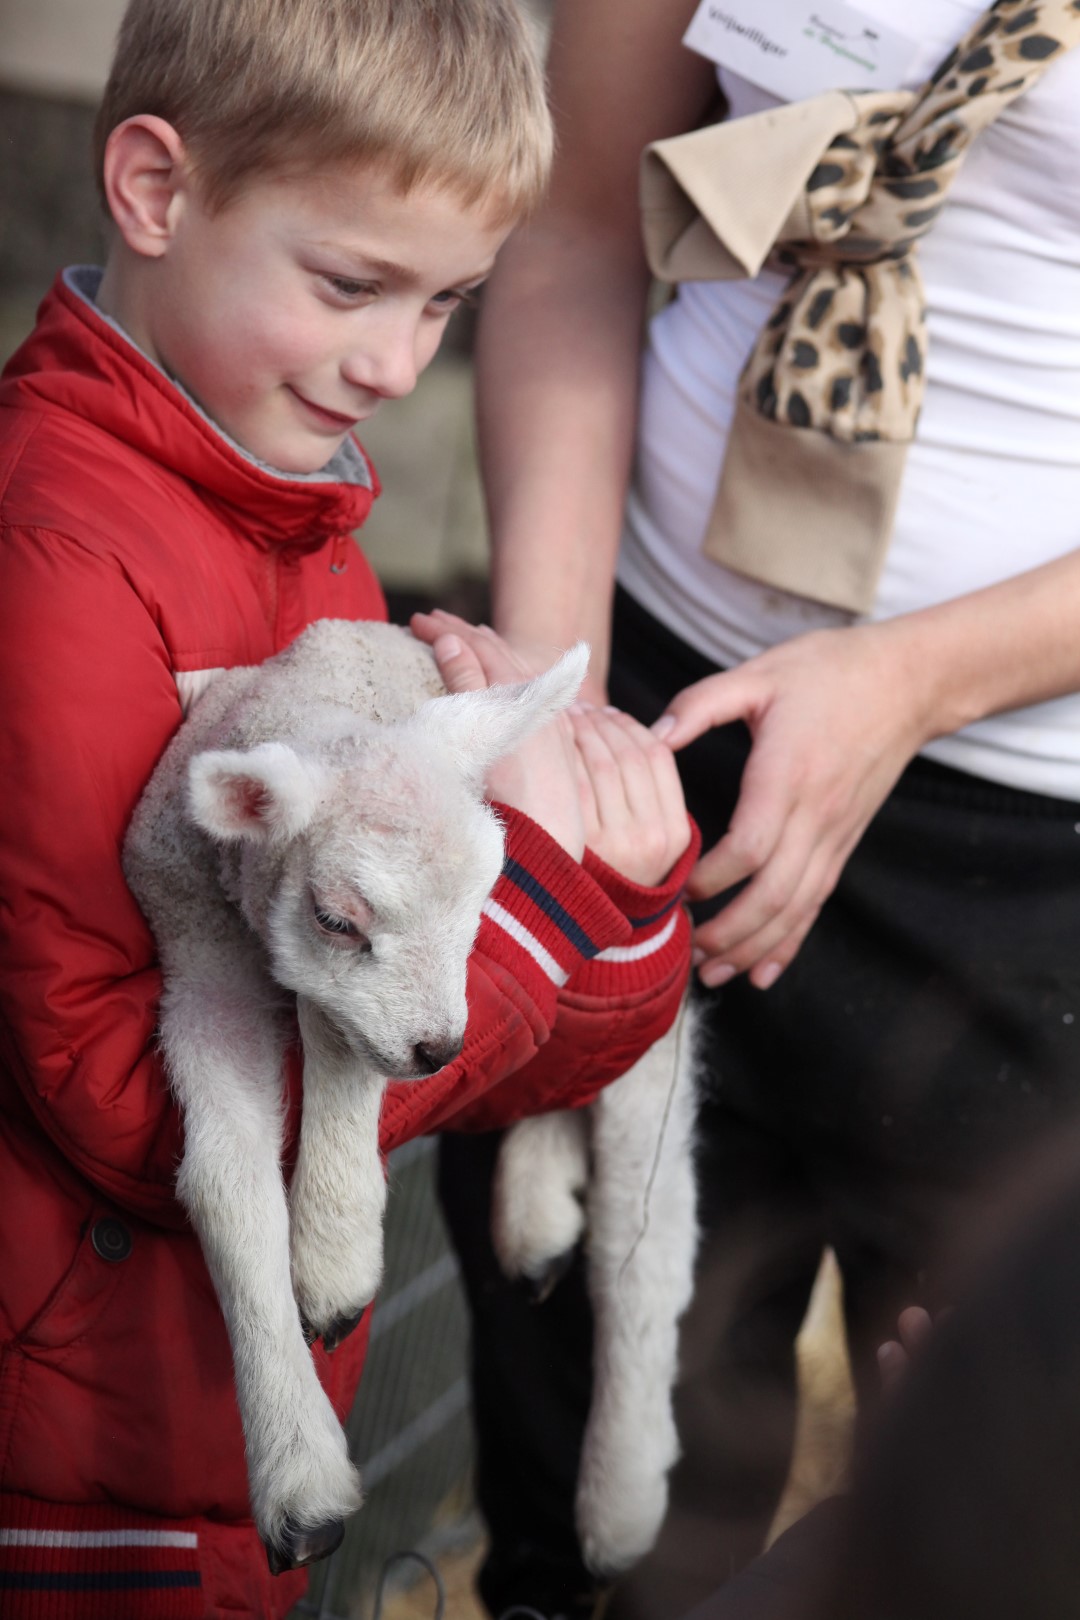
x=548, y=1280
x=294, y=1548
x=340, y=1328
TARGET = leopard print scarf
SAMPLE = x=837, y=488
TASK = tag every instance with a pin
x=838, y=189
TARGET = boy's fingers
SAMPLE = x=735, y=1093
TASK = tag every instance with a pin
x=438, y=617
x=459, y=666
x=658, y=763
x=608, y=765
x=637, y=787
x=598, y=765
x=623, y=739
x=590, y=814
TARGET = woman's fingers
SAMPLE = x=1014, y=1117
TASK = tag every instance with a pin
x=760, y=931
x=714, y=701
x=762, y=816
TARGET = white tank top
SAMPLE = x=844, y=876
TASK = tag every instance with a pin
x=992, y=482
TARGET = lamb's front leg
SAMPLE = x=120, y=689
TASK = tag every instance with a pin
x=338, y=1194
x=223, y=1049
x=642, y=1238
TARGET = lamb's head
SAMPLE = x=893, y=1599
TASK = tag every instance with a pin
x=365, y=855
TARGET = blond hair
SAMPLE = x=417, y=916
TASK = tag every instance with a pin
x=442, y=91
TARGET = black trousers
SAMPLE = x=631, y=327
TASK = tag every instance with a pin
x=929, y=1029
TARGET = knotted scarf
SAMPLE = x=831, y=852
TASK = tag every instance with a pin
x=839, y=188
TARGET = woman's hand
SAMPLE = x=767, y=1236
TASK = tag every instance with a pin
x=540, y=776
x=835, y=716
x=631, y=797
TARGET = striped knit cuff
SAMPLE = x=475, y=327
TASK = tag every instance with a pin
x=546, y=914
x=659, y=933
x=96, y=1563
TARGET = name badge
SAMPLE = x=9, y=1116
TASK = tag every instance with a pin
x=798, y=48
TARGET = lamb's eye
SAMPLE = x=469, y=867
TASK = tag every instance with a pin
x=330, y=923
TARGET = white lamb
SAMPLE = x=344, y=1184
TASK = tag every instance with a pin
x=315, y=835
x=315, y=830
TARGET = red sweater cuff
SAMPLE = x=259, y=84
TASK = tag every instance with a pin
x=659, y=935
x=547, y=913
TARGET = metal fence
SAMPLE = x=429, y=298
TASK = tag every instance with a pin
x=409, y=1431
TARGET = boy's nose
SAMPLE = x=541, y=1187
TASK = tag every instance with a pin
x=386, y=364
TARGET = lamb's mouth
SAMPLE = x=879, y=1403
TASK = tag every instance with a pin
x=356, y=1043
x=353, y=1043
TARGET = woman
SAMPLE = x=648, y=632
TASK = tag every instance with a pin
x=896, y=792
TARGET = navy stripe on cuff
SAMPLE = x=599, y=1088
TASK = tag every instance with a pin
x=547, y=903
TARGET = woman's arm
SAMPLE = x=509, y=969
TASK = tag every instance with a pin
x=561, y=329
x=835, y=717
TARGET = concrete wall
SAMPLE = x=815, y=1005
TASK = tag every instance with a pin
x=59, y=48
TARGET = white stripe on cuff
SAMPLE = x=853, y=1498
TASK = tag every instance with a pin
x=528, y=942
x=635, y=953
x=98, y=1538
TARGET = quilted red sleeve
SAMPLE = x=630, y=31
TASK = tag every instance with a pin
x=544, y=919
x=618, y=999
x=88, y=705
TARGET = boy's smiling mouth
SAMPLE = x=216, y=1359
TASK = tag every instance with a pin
x=330, y=421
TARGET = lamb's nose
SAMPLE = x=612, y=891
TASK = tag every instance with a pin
x=431, y=1056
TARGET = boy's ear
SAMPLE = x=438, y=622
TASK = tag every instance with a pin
x=144, y=173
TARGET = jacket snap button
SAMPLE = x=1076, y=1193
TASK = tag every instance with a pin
x=111, y=1239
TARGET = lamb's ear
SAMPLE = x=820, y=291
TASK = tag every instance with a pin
x=261, y=793
x=482, y=726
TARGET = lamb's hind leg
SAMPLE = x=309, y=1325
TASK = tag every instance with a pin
x=338, y=1193
x=642, y=1236
x=538, y=1208
x=223, y=1049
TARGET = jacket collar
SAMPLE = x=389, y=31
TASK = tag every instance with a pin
x=79, y=360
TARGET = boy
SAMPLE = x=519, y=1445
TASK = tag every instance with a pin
x=301, y=192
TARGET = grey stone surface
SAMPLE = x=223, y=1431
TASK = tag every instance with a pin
x=48, y=201
x=427, y=530
x=58, y=47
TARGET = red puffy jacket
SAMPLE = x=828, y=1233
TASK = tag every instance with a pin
x=139, y=549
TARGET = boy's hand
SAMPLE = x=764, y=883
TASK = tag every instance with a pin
x=540, y=776
x=631, y=796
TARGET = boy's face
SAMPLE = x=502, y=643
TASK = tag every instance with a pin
x=292, y=313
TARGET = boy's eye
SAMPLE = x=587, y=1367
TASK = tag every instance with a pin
x=445, y=303
x=347, y=289
x=340, y=928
